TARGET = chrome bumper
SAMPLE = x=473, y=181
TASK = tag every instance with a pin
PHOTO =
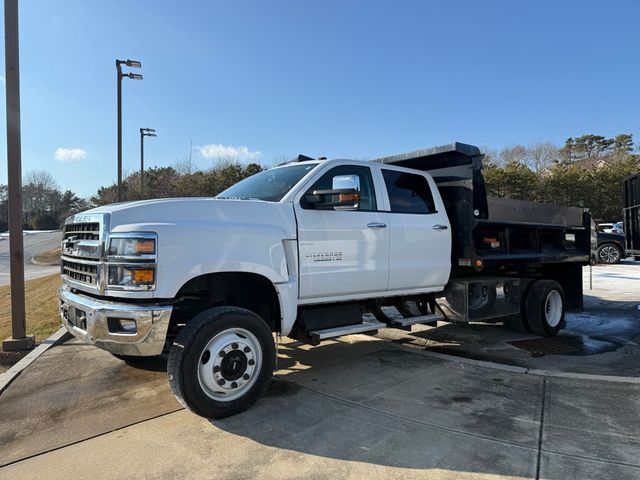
x=88, y=318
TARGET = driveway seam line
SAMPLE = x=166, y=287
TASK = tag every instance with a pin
x=466, y=434
x=540, y=433
x=29, y=457
x=523, y=370
x=592, y=459
x=411, y=420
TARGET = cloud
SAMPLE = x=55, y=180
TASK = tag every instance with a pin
x=228, y=152
x=70, y=154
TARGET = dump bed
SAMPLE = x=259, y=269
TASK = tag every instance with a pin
x=631, y=214
x=498, y=234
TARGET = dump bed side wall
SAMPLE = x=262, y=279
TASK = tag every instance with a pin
x=530, y=234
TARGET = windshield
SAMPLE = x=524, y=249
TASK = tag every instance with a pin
x=270, y=185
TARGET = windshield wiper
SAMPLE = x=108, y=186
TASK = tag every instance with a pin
x=237, y=198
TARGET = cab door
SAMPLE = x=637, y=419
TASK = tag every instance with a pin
x=420, y=242
x=343, y=249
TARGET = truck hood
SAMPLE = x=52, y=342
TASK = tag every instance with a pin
x=150, y=214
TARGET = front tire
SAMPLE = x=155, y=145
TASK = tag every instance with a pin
x=545, y=308
x=221, y=362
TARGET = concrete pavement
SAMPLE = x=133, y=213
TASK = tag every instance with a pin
x=359, y=407
x=603, y=340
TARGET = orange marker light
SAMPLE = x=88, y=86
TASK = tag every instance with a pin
x=142, y=277
x=145, y=246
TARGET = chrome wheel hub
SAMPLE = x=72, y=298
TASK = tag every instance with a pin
x=553, y=308
x=229, y=364
x=609, y=254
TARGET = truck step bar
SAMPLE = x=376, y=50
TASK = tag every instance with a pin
x=431, y=319
x=371, y=325
x=316, y=336
x=392, y=317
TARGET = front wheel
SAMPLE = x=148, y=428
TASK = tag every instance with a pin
x=221, y=362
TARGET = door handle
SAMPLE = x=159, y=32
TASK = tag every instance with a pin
x=376, y=225
x=440, y=227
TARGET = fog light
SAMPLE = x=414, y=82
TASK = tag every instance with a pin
x=139, y=277
x=122, y=325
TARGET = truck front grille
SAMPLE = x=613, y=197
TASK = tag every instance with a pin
x=81, y=272
x=82, y=231
x=83, y=249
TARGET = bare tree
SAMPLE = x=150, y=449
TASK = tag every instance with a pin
x=541, y=156
x=184, y=167
x=4, y=208
x=41, y=179
x=512, y=154
x=490, y=155
x=40, y=192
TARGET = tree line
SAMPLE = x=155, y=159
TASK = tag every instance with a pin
x=177, y=181
x=586, y=171
x=44, y=205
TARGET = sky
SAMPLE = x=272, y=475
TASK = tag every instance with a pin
x=264, y=81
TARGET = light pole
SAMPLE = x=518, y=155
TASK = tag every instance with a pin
x=144, y=132
x=19, y=340
x=132, y=76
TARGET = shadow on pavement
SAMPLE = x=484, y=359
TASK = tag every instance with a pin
x=74, y=392
x=396, y=408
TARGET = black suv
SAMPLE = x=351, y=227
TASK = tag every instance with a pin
x=611, y=248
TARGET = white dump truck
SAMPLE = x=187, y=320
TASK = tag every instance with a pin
x=314, y=249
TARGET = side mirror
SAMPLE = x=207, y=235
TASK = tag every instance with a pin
x=334, y=199
x=344, y=194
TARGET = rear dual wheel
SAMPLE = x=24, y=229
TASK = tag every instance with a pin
x=543, y=310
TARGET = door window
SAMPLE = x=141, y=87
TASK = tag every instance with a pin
x=408, y=193
x=339, y=177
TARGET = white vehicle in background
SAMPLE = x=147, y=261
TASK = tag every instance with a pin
x=314, y=250
x=617, y=227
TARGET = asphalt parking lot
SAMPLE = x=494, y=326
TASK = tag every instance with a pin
x=357, y=407
x=34, y=242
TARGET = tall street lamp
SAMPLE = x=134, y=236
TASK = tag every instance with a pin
x=144, y=132
x=19, y=339
x=132, y=76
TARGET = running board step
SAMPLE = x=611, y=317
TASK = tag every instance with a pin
x=430, y=319
x=317, y=336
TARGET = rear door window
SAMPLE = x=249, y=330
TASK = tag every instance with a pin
x=408, y=193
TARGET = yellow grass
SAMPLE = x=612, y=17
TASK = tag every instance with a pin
x=51, y=257
x=41, y=307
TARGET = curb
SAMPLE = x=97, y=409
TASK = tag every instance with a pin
x=10, y=375
x=33, y=261
x=524, y=370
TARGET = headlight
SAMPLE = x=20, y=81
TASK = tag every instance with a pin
x=131, y=247
x=131, y=261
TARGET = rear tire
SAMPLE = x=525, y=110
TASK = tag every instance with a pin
x=221, y=362
x=545, y=308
